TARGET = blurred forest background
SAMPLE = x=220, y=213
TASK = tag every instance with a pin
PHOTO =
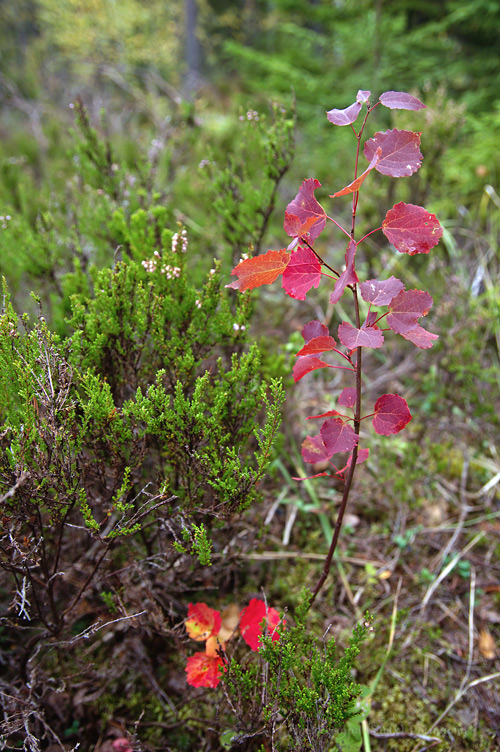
x=195, y=102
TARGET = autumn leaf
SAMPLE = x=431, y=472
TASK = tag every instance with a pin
x=487, y=646
x=355, y=185
x=348, y=276
x=297, y=229
x=303, y=272
x=391, y=414
x=314, y=450
x=406, y=308
x=203, y=670
x=313, y=329
x=420, y=337
x=202, y=621
x=400, y=100
x=347, y=397
x=400, y=156
x=411, y=229
x=251, y=621
x=307, y=363
x=318, y=345
x=346, y=116
x=364, y=337
x=380, y=292
x=259, y=270
x=304, y=206
x=338, y=436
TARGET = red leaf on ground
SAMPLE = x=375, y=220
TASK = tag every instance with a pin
x=203, y=670
x=352, y=337
x=400, y=152
x=406, y=308
x=314, y=449
x=304, y=206
x=380, y=292
x=314, y=329
x=348, y=276
x=411, y=229
x=391, y=414
x=318, y=345
x=355, y=185
x=305, y=364
x=420, y=337
x=303, y=272
x=338, y=436
x=202, y=621
x=259, y=270
x=400, y=100
x=347, y=397
x=251, y=622
x=345, y=116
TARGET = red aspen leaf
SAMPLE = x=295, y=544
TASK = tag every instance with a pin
x=314, y=329
x=204, y=670
x=311, y=477
x=259, y=270
x=363, y=96
x=338, y=436
x=297, y=229
x=304, y=206
x=406, y=308
x=345, y=116
x=411, y=229
x=380, y=292
x=400, y=152
x=347, y=397
x=363, y=455
x=371, y=318
x=328, y=414
x=318, y=345
x=251, y=621
x=303, y=272
x=391, y=414
x=400, y=100
x=305, y=364
x=352, y=337
x=420, y=337
x=202, y=621
x=355, y=185
x=314, y=450
x=348, y=276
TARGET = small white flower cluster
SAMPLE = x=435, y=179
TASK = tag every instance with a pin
x=4, y=220
x=183, y=239
x=170, y=271
x=244, y=257
x=197, y=303
x=150, y=266
x=251, y=115
x=204, y=163
x=239, y=327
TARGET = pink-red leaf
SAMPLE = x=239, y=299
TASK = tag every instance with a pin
x=347, y=397
x=314, y=329
x=355, y=185
x=420, y=337
x=380, y=292
x=346, y=116
x=204, y=670
x=363, y=455
x=348, y=276
x=305, y=364
x=411, y=229
x=400, y=100
x=400, y=152
x=391, y=414
x=259, y=270
x=352, y=337
x=318, y=345
x=328, y=414
x=304, y=206
x=251, y=621
x=297, y=229
x=303, y=272
x=363, y=96
x=406, y=308
x=314, y=450
x=338, y=436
